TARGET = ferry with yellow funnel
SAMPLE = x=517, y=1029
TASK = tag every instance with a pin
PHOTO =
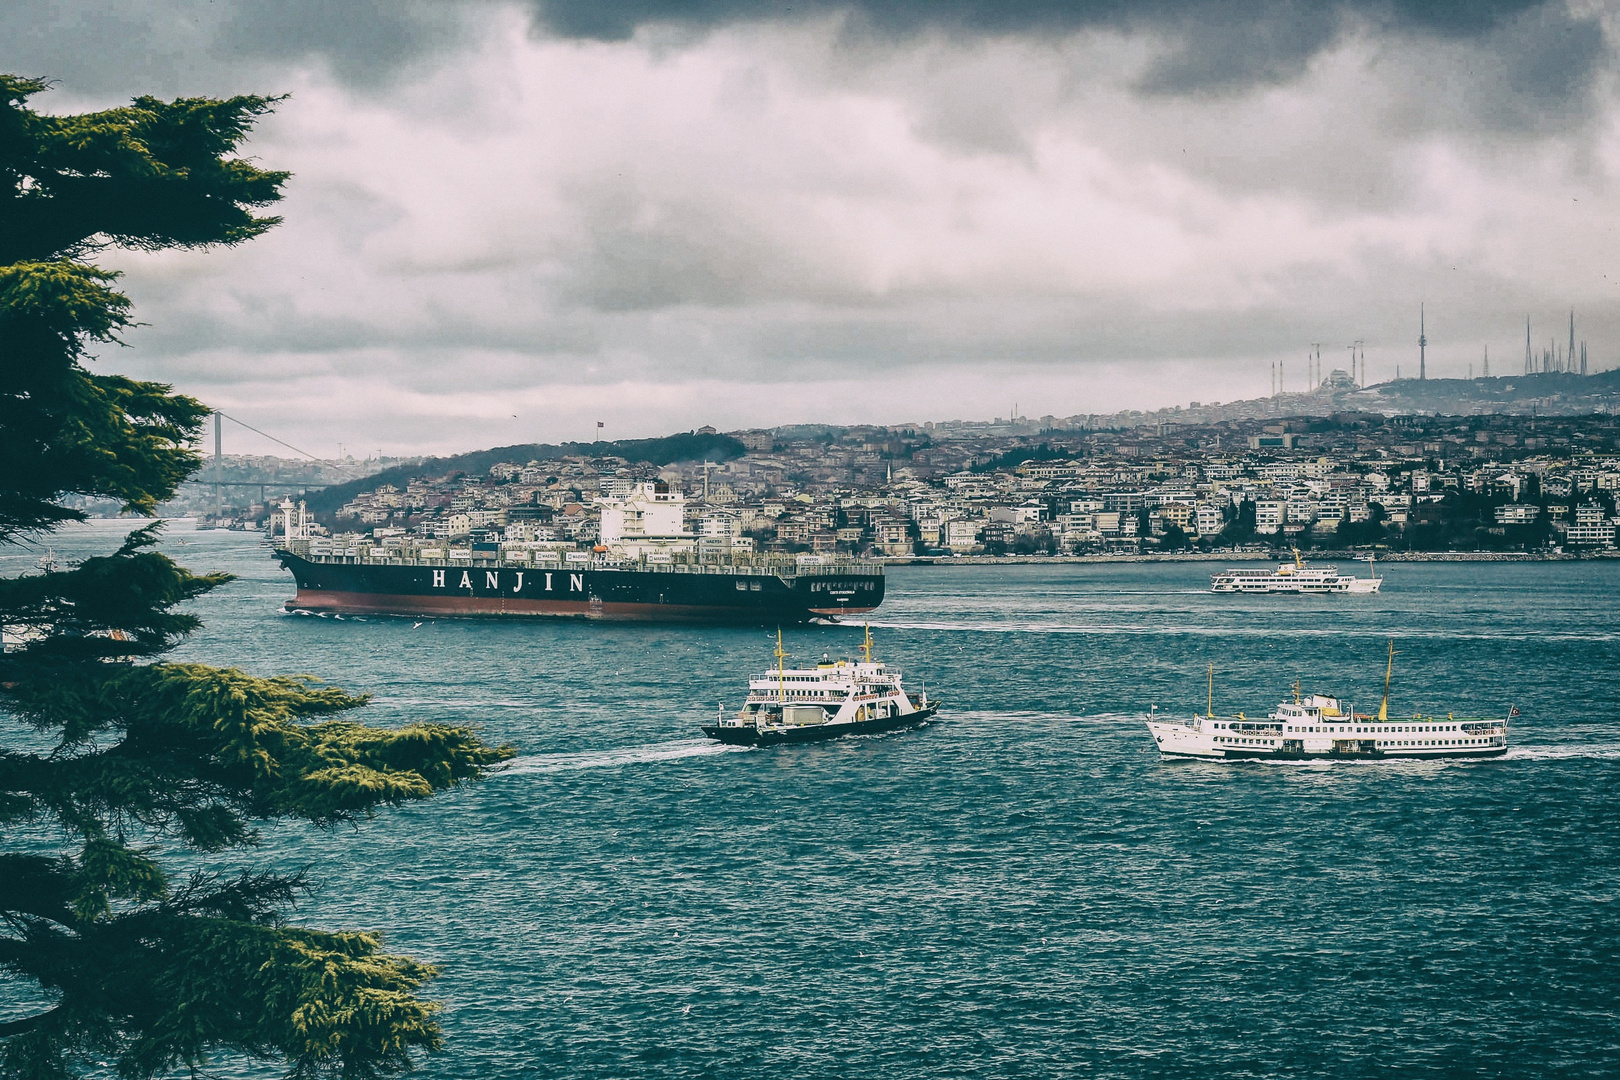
x=834, y=698
x=1315, y=726
x=1298, y=577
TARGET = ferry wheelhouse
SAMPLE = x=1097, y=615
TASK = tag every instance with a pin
x=834, y=698
x=1317, y=726
x=1298, y=576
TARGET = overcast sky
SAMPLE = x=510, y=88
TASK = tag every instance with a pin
x=508, y=221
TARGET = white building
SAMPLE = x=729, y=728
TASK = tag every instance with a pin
x=962, y=535
x=1517, y=514
x=1601, y=535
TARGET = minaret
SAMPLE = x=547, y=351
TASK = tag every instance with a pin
x=1423, y=344
x=1528, y=362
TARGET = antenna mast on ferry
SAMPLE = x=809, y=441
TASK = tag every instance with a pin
x=781, y=676
x=1383, y=708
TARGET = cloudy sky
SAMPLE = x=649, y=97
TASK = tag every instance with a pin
x=508, y=221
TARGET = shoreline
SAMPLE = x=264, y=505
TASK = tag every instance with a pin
x=1242, y=556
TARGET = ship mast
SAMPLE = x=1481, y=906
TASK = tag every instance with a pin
x=866, y=646
x=781, y=675
x=1209, y=709
x=1383, y=708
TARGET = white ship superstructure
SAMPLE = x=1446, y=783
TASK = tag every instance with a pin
x=1316, y=726
x=649, y=519
x=1294, y=577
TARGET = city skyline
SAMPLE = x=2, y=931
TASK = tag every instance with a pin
x=510, y=222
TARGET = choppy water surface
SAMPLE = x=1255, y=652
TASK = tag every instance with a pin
x=1020, y=890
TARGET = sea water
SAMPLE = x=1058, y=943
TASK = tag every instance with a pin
x=1020, y=889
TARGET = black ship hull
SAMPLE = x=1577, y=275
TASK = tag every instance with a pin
x=1369, y=755
x=752, y=736
x=708, y=593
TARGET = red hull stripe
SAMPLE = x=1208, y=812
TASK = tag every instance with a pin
x=361, y=603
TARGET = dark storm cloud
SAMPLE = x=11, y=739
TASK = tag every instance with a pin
x=363, y=40
x=606, y=20
x=1215, y=43
x=196, y=46
x=1530, y=51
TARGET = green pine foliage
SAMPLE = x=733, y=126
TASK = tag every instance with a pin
x=109, y=756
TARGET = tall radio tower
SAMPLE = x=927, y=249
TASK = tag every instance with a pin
x=1423, y=344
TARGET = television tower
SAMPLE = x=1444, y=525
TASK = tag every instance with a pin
x=1569, y=357
x=1423, y=344
x=1529, y=362
x=1487, y=362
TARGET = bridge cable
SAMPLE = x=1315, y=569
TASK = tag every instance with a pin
x=288, y=445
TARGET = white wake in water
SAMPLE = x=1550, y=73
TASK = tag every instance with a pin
x=1188, y=630
x=1597, y=752
x=626, y=755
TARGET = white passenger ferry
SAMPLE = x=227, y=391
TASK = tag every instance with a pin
x=836, y=697
x=1315, y=726
x=1298, y=576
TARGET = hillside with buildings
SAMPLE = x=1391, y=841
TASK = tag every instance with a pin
x=1347, y=481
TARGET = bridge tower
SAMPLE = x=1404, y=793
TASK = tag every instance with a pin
x=219, y=473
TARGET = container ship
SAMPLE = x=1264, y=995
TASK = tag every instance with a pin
x=646, y=568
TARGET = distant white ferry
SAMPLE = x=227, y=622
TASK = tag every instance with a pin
x=1298, y=576
x=1320, y=727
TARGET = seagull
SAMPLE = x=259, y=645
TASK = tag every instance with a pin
x=686, y=1010
x=415, y=625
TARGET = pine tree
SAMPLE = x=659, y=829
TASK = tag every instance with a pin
x=108, y=753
